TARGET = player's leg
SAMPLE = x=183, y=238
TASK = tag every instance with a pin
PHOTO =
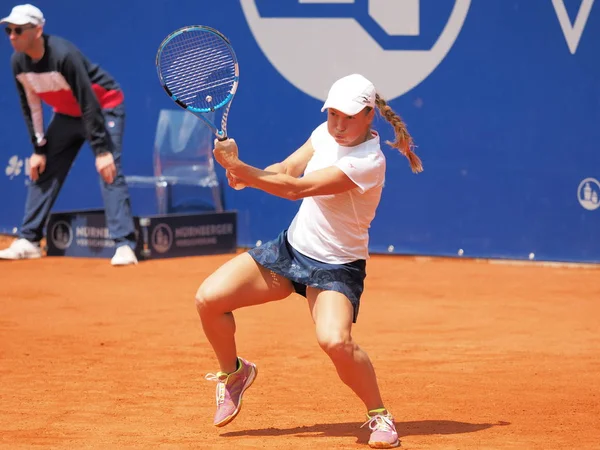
x=117, y=204
x=238, y=283
x=63, y=144
x=333, y=315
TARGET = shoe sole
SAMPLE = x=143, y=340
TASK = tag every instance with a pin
x=132, y=263
x=228, y=419
x=20, y=259
x=384, y=444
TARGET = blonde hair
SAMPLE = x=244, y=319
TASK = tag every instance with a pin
x=403, y=140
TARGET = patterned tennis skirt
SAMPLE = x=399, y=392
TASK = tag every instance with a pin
x=280, y=257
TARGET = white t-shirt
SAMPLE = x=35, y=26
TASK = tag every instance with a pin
x=335, y=228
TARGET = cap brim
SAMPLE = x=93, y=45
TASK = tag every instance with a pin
x=350, y=110
x=16, y=20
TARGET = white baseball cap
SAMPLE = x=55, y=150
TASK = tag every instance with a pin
x=351, y=95
x=25, y=14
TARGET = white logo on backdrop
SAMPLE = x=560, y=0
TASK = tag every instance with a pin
x=14, y=167
x=588, y=194
x=573, y=31
x=310, y=54
x=17, y=166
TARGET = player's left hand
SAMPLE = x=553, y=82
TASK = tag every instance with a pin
x=226, y=153
x=105, y=165
x=234, y=182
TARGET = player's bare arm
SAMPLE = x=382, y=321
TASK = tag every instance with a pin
x=327, y=181
x=294, y=164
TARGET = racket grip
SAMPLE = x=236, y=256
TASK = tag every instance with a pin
x=239, y=186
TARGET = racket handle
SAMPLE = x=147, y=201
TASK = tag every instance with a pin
x=239, y=186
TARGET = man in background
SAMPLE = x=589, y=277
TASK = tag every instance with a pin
x=88, y=106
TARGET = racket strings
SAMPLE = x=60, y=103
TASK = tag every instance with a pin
x=199, y=69
x=194, y=60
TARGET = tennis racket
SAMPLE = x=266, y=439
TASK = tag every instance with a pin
x=198, y=70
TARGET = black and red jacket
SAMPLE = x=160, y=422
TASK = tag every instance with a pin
x=68, y=82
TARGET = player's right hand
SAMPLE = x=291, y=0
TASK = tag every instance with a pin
x=226, y=152
x=37, y=165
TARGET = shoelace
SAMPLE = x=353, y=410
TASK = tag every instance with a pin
x=220, y=394
x=380, y=422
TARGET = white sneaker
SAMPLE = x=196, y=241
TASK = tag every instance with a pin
x=124, y=256
x=21, y=249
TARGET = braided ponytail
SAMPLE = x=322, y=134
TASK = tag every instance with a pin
x=404, y=142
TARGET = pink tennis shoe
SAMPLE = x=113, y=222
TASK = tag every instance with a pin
x=383, y=431
x=230, y=388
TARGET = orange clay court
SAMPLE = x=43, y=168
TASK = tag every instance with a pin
x=469, y=354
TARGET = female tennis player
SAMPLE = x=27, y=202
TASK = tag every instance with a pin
x=339, y=173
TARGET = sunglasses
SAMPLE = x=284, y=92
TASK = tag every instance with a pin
x=18, y=30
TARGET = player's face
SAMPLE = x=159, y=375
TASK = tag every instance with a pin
x=22, y=37
x=349, y=130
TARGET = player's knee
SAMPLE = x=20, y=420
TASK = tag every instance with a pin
x=335, y=344
x=207, y=297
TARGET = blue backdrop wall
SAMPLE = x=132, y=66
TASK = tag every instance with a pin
x=502, y=99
